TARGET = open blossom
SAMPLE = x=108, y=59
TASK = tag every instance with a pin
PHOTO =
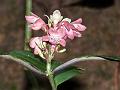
x=38, y=45
x=55, y=36
x=34, y=42
x=77, y=24
x=72, y=29
x=35, y=22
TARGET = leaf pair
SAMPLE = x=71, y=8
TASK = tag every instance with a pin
x=38, y=65
x=62, y=72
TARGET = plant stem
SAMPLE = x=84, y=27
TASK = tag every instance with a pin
x=27, y=29
x=28, y=34
x=50, y=75
x=52, y=82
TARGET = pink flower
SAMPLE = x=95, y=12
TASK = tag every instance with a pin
x=32, y=18
x=72, y=29
x=55, y=36
x=35, y=22
x=77, y=24
x=68, y=29
x=38, y=45
x=34, y=44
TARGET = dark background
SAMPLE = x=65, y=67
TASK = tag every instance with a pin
x=102, y=37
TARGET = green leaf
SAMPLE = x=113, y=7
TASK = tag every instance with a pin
x=55, y=64
x=111, y=58
x=30, y=58
x=66, y=71
x=66, y=74
x=85, y=58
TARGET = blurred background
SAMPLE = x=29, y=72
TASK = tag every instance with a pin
x=102, y=37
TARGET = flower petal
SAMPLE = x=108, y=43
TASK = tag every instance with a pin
x=68, y=25
x=38, y=24
x=78, y=21
x=79, y=27
x=51, y=30
x=63, y=42
x=45, y=38
x=32, y=18
x=61, y=32
x=33, y=42
x=67, y=19
x=70, y=34
x=77, y=34
x=56, y=17
x=36, y=50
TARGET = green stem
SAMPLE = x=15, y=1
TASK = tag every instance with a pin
x=50, y=75
x=52, y=82
x=27, y=29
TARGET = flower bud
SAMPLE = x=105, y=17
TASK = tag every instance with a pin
x=56, y=16
x=67, y=19
x=61, y=51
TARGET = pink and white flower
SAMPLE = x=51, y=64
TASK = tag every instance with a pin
x=77, y=24
x=72, y=29
x=57, y=31
x=38, y=45
x=35, y=22
x=55, y=36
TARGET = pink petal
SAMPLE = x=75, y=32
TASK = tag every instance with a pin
x=83, y=27
x=77, y=34
x=38, y=24
x=32, y=42
x=77, y=21
x=79, y=27
x=36, y=50
x=52, y=41
x=61, y=32
x=32, y=18
x=63, y=42
x=68, y=25
x=70, y=34
x=45, y=38
x=52, y=30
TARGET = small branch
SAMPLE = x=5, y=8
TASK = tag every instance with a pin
x=74, y=61
x=51, y=78
x=50, y=73
x=27, y=65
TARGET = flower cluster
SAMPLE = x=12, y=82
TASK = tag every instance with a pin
x=57, y=30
